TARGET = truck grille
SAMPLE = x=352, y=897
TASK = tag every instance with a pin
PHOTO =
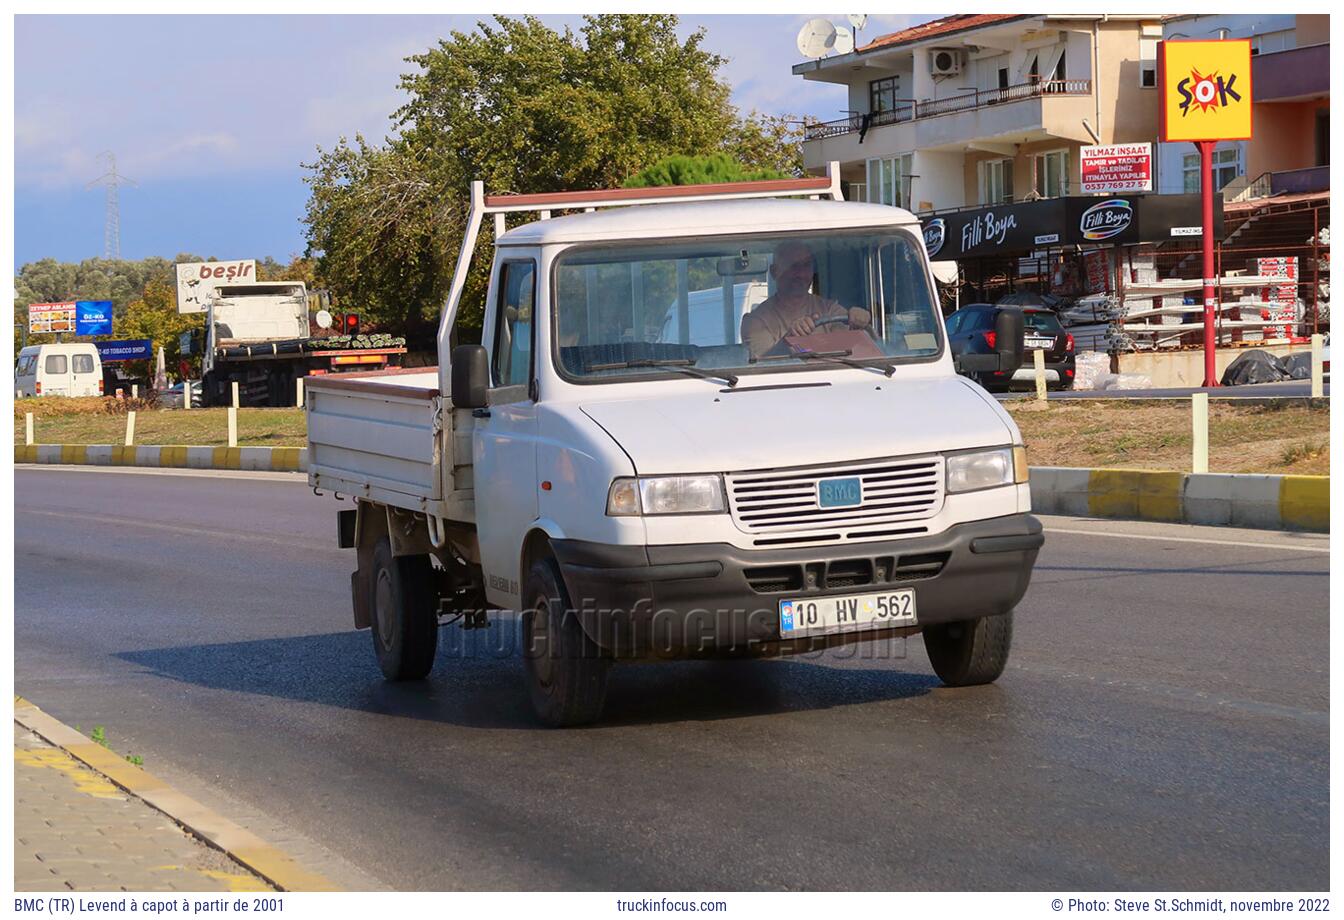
x=893, y=490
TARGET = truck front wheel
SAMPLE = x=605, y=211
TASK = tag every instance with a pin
x=405, y=619
x=970, y=652
x=566, y=671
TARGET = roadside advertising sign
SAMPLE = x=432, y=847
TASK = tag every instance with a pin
x=51, y=317
x=1117, y=168
x=93, y=317
x=1206, y=90
x=197, y=280
x=125, y=350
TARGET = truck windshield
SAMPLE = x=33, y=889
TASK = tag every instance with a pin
x=745, y=304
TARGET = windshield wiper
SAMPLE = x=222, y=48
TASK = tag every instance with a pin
x=676, y=365
x=835, y=357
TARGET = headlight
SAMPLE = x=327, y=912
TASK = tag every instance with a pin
x=981, y=470
x=665, y=495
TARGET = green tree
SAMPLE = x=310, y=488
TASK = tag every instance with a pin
x=154, y=316
x=523, y=108
x=684, y=170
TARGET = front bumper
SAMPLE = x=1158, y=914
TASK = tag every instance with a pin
x=713, y=598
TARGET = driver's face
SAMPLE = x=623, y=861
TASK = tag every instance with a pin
x=793, y=270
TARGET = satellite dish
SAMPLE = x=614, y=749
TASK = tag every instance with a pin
x=816, y=37
x=857, y=20
x=844, y=40
x=323, y=319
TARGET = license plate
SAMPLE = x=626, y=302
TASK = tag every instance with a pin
x=847, y=613
x=839, y=493
x=1040, y=343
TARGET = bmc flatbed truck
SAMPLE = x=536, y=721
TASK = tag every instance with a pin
x=636, y=482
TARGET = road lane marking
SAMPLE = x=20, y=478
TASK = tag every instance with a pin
x=1144, y=536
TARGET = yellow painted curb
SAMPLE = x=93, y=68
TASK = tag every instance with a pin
x=1304, y=502
x=74, y=453
x=226, y=458
x=211, y=827
x=285, y=458
x=1148, y=495
x=25, y=453
x=175, y=455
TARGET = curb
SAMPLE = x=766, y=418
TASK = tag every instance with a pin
x=274, y=459
x=239, y=844
x=1263, y=501
x=1266, y=502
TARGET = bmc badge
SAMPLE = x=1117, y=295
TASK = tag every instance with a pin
x=1107, y=219
x=935, y=232
x=1206, y=93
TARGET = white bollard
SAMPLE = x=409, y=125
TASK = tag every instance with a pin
x=186, y=393
x=28, y=428
x=235, y=394
x=135, y=391
x=1317, y=366
x=1199, y=421
x=1038, y=359
x=233, y=425
x=298, y=392
x=130, y=428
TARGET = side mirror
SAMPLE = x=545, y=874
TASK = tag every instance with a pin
x=470, y=377
x=1009, y=329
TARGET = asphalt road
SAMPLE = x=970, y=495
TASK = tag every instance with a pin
x=1163, y=723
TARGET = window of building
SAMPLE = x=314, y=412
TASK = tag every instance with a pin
x=882, y=94
x=1226, y=167
x=996, y=181
x=1270, y=42
x=889, y=180
x=513, y=330
x=1052, y=174
x=1148, y=62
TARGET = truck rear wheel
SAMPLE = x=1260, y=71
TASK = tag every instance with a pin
x=970, y=652
x=566, y=671
x=405, y=617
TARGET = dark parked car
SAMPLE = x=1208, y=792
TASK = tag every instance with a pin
x=970, y=331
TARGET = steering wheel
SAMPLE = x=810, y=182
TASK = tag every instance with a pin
x=832, y=320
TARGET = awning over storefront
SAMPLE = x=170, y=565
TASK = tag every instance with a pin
x=1008, y=229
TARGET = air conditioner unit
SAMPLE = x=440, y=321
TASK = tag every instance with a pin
x=944, y=62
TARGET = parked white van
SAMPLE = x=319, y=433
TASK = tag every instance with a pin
x=67, y=369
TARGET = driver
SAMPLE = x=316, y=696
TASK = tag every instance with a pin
x=793, y=309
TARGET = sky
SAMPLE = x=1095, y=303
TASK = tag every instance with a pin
x=211, y=117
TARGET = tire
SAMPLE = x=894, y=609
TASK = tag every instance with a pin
x=403, y=609
x=566, y=670
x=971, y=652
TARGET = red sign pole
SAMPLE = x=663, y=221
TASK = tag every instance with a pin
x=1206, y=190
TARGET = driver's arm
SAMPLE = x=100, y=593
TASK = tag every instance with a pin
x=761, y=331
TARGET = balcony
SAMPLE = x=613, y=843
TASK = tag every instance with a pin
x=912, y=110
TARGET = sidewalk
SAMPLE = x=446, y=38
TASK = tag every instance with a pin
x=76, y=831
x=87, y=820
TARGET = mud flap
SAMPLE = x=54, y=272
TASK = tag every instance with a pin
x=359, y=599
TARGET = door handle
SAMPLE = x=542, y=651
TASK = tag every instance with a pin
x=480, y=413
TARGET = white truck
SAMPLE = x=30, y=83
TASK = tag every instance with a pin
x=633, y=493
x=258, y=334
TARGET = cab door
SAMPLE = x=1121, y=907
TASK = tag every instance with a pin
x=504, y=442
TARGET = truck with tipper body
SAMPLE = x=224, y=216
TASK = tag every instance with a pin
x=259, y=335
x=811, y=472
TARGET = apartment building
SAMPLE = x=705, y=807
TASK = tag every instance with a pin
x=983, y=109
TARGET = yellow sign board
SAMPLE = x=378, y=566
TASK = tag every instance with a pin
x=1206, y=90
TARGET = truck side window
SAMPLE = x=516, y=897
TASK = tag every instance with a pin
x=512, y=359
x=56, y=364
x=83, y=364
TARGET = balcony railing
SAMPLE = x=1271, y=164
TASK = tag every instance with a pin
x=910, y=109
x=1284, y=182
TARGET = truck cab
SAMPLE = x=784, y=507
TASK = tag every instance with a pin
x=714, y=426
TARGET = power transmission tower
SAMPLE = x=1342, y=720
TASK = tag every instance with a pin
x=112, y=223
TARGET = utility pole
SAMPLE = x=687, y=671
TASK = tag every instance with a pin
x=112, y=222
